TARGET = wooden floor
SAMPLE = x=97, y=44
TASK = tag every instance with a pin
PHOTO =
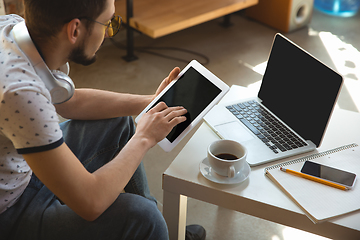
x=157, y=18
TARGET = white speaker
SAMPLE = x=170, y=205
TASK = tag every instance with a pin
x=284, y=15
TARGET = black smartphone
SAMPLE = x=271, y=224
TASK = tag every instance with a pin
x=334, y=175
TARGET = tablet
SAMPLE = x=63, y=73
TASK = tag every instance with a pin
x=197, y=90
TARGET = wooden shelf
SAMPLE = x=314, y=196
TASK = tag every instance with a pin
x=157, y=18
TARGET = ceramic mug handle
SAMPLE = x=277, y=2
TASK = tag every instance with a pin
x=231, y=172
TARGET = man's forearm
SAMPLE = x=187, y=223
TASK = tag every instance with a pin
x=91, y=104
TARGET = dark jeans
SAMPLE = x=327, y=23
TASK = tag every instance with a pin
x=134, y=215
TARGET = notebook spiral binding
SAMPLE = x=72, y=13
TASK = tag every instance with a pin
x=311, y=157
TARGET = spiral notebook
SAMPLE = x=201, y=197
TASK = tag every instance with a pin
x=318, y=201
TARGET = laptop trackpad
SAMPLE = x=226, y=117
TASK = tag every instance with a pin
x=234, y=131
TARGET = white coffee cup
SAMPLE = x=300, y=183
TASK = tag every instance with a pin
x=223, y=163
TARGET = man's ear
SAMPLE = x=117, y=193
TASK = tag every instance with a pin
x=73, y=30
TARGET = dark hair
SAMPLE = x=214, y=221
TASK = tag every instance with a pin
x=45, y=18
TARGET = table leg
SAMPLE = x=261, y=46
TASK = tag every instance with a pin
x=174, y=211
x=2, y=7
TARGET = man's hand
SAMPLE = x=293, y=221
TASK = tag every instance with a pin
x=172, y=75
x=157, y=123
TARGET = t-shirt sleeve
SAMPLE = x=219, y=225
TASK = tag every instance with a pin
x=29, y=120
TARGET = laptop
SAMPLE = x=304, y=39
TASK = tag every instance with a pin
x=290, y=114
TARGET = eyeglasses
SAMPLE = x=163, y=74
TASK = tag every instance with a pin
x=112, y=27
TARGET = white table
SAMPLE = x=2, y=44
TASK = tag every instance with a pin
x=257, y=196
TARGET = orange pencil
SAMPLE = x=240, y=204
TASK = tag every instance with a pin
x=315, y=179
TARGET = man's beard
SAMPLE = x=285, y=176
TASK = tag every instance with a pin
x=78, y=56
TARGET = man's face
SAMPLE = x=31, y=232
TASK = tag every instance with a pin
x=78, y=55
x=85, y=52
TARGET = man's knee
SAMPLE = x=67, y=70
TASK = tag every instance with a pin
x=143, y=218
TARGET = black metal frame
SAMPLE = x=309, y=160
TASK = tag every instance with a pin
x=130, y=56
x=226, y=23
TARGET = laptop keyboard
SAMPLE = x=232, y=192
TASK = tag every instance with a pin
x=267, y=128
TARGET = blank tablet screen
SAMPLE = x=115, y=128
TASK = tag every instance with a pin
x=192, y=91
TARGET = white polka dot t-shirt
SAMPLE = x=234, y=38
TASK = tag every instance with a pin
x=28, y=120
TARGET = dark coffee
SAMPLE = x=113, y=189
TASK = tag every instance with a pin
x=226, y=156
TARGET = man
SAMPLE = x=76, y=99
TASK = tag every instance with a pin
x=64, y=182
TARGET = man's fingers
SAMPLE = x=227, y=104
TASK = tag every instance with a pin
x=165, y=110
x=173, y=74
x=172, y=115
x=176, y=120
x=174, y=112
x=161, y=106
x=158, y=121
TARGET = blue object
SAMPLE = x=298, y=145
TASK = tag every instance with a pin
x=341, y=8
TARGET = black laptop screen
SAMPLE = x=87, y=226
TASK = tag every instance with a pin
x=299, y=89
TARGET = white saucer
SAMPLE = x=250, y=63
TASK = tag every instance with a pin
x=208, y=173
